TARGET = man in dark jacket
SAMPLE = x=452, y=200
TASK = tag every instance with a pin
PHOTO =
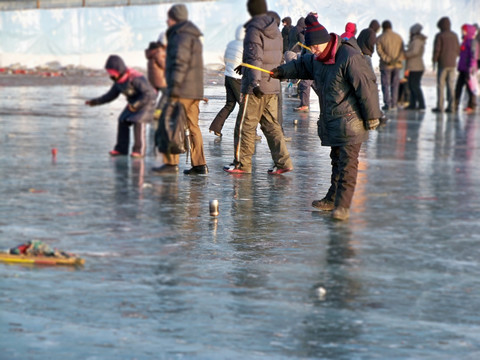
x=287, y=26
x=262, y=47
x=296, y=36
x=139, y=110
x=184, y=73
x=349, y=104
x=446, y=49
x=366, y=40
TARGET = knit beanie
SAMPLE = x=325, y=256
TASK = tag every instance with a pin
x=256, y=7
x=178, y=13
x=416, y=29
x=315, y=33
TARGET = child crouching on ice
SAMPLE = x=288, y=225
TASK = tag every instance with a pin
x=140, y=105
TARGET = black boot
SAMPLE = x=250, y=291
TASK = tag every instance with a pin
x=165, y=169
x=197, y=170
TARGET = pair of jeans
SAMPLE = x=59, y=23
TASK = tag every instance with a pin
x=390, y=79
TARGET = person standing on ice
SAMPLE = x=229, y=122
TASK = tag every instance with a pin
x=390, y=49
x=139, y=110
x=184, y=72
x=349, y=104
x=262, y=48
x=467, y=70
x=233, y=81
x=367, y=39
x=446, y=49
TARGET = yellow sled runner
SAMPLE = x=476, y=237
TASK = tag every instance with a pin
x=41, y=260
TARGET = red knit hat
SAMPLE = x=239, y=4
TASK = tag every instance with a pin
x=315, y=33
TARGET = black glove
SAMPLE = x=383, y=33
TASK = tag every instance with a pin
x=257, y=92
x=238, y=69
x=371, y=124
x=277, y=73
x=92, y=102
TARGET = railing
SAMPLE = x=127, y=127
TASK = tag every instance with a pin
x=52, y=4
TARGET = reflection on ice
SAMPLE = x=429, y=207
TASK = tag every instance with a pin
x=266, y=278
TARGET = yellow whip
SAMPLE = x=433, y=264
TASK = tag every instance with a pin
x=256, y=68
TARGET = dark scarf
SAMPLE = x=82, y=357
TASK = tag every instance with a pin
x=328, y=55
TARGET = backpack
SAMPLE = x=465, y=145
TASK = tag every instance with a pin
x=170, y=136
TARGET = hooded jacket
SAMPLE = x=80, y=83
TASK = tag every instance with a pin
x=416, y=49
x=350, y=31
x=446, y=47
x=285, y=31
x=138, y=91
x=468, y=50
x=347, y=91
x=295, y=35
x=262, y=47
x=368, y=37
x=156, y=57
x=184, y=65
x=390, y=50
x=233, y=53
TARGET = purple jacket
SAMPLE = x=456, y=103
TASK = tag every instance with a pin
x=468, y=50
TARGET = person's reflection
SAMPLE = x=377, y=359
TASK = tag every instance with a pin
x=247, y=210
x=336, y=292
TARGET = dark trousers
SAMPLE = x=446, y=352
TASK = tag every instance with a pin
x=232, y=86
x=344, y=174
x=123, y=137
x=462, y=80
x=390, y=82
x=416, y=94
x=303, y=90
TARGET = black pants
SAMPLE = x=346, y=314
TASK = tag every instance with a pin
x=123, y=137
x=462, y=80
x=344, y=174
x=417, y=100
x=232, y=86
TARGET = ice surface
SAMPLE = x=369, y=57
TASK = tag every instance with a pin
x=163, y=279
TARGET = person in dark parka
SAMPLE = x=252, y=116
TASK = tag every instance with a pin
x=262, y=47
x=287, y=26
x=366, y=40
x=446, y=48
x=184, y=74
x=140, y=105
x=348, y=97
x=296, y=35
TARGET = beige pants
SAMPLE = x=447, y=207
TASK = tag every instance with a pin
x=197, y=155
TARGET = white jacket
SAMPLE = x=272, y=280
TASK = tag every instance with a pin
x=233, y=53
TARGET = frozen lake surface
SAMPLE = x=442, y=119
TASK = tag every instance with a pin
x=270, y=278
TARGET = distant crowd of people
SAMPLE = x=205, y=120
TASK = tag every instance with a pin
x=337, y=67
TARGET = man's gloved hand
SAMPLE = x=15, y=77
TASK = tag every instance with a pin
x=257, y=92
x=92, y=102
x=238, y=69
x=371, y=124
x=277, y=73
